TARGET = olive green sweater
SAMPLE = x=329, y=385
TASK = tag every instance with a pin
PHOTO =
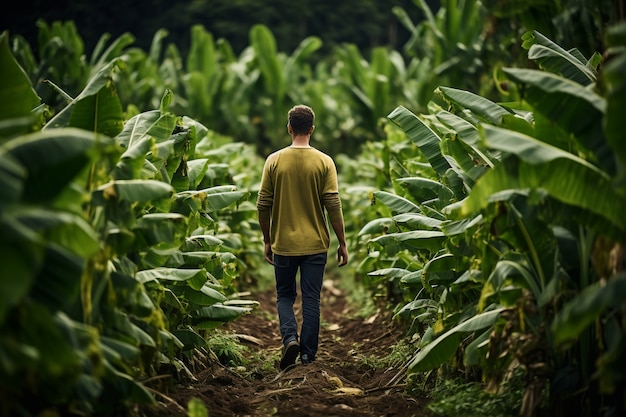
x=297, y=186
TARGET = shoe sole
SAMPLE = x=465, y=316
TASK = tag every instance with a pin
x=290, y=356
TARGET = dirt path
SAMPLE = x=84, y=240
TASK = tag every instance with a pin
x=340, y=382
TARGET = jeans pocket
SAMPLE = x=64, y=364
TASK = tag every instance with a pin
x=281, y=261
x=318, y=259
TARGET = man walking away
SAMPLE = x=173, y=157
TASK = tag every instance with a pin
x=298, y=188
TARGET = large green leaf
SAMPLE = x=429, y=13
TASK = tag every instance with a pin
x=396, y=203
x=583, y=115
x=379, y=84
x=202, y=58
x=100, y=112
x=116, y=350
x=417, y=221
x=417, y=305
x=513, y=268
x=196, y=169
x=563, y=175
x=219, y=313
x=161, y=234
x=101, y=56
x=68, y=230
x=417, y=239
x=140, y=129
x=294, y=63
x=461, y=226
x=17, y=96
x=22, y=253
x=169, y=274
x=207, y=296
x=444, y=347
x=132, y=191
x=420, y=134
x=201, y=241
x=613, y=75
x=378, y=226
x=586, y=307
x=124, y=386
x=12, y=177
x=52, y=158
x=266, y=54
x=189, y=338
x=390, y=273
x=555, y=59
x=480, y=106
x=423, y=189
x=210, y=199
x=97, y=108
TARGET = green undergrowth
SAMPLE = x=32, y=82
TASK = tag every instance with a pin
x=451, y=397
x=400, y=352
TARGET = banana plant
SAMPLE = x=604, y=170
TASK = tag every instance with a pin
x=46, y=243
x=278, y=84
x=457, y=42
x=113, y=270
x=514, y=210
x=368, y=83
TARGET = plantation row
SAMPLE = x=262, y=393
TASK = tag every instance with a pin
x=128, y=223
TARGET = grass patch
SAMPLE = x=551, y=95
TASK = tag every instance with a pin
x=227, y=349
x=400, y=353
x=457, y=397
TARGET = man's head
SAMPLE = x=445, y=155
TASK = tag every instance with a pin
x=301, y=119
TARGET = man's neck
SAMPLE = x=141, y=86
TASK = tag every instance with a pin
x=301, y=141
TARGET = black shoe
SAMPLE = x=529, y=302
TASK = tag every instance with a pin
x=290, y=354
x=306, y=359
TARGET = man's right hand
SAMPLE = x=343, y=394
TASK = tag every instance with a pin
x=342, y=255
x=269, y=255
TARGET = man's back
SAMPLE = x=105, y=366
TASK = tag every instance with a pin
x=296, y=183
x=299, y=185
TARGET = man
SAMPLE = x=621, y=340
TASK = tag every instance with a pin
x=298, y=187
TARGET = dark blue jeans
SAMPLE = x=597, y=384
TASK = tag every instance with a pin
x=311, y=277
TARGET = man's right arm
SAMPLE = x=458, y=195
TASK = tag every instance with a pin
x=342, y=250
x=332, y=203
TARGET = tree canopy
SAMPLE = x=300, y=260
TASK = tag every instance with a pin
x=365, y=23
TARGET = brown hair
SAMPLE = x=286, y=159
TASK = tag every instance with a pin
x=301, y=119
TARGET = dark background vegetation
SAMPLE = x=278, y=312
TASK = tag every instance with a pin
x=365, y=23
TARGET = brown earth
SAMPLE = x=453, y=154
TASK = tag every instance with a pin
x=341, y=382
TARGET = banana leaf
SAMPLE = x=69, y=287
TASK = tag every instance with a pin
x=416, y=239
x=17, y=96
x=566, y=177
x=132, y=191
x=480, y=106
x=420, y=134
x=583, y=116
x=396, y=203
x=585, y=309
x=217, y=314
x=378, y=226
x=439, y=351
x=264, y=45
x=557, y=60
x=417, y=221
x=613, y=74
x=52, y=158
x=97, y=108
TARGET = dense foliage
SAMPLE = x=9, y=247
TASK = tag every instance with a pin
x=365, y=23
x=121, y=239
x=483, y=175
x=505, y=237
